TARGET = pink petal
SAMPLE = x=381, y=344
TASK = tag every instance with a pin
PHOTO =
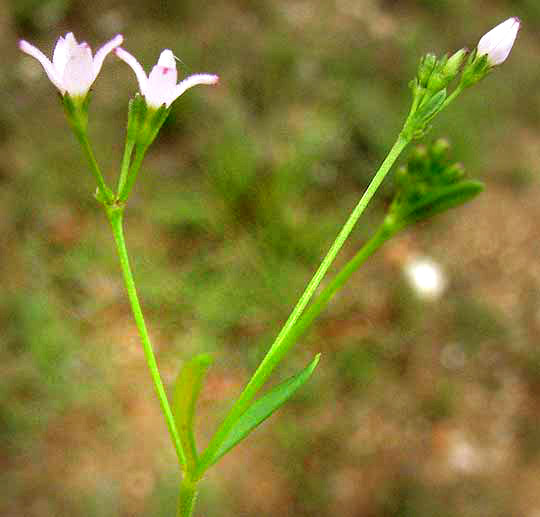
x=104, y=51
x=79, y=72
x=162, y=77
x=135, y=65
x=193, y=80
x=160, y=87
x=166, y=59
x=29, y=49
x=60, y=55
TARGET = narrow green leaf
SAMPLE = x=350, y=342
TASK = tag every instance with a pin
x=441, y=200
x=186, y=391
x=261, y=409
x=430, y=107
x=136, y=115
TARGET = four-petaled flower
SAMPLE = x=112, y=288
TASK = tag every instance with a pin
x=160, y=86
x=498, y=42
x=72, y=69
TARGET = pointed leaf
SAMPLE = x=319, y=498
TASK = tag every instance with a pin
x=186, y=391
x=441, y=200
x=136, y=115
x=262, y=408
x=430, y=107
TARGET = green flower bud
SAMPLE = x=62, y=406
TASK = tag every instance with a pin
x=439, y=148
x=425, y=69
x=454, y=63
x=454, y=173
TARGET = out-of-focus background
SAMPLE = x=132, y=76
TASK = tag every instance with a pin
x=419, y=407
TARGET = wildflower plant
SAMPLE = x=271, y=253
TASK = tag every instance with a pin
x=428, y=184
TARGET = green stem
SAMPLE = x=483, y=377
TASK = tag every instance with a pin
x=126, y=160
x=105, y=192
x=115, y=215
x=459, y=89
x=280, y=346
x=125, y=188
x=187, y=498
x=312, y=312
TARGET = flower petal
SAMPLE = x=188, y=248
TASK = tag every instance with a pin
x=193, y=80
x=79, y=73
x=71, y=41
x=161, y=84
x=164, y=76
x=104, y=51
x=136, y=67
x=166, y=59
x=60, y=55
x=49, y=68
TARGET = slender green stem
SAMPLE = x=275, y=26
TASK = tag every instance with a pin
x=414, y=106
x=459, y=89
x=115, y=215
x=312, y=312
x=126, y=160
x=125, y=188
x=279, y=347
x=104, y=191
x=187, y=497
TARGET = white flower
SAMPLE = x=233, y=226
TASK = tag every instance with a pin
x=426, y=277
x=73, y=69
x=498, y=42
x=160, y=86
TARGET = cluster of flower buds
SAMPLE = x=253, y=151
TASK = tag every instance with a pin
x=430, y=183
x=73, y=70
x=435, y=74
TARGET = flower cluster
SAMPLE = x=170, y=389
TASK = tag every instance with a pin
x=436, y=74
x=428, y=184
x=73, y=70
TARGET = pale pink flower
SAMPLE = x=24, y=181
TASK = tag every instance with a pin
x=160, y=86
x=498, y=42
x=72, y=69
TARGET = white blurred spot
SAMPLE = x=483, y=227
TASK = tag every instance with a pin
x=426, y=278
x=462, y=456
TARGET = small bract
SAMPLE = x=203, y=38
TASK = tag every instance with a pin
x=498, y=42
x=72, y=70
x=160, y=87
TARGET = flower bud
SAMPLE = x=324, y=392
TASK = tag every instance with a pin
x=427, y=64
x=439, y=148
x=454, y=63
x=454, y=173
x=498, y=42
